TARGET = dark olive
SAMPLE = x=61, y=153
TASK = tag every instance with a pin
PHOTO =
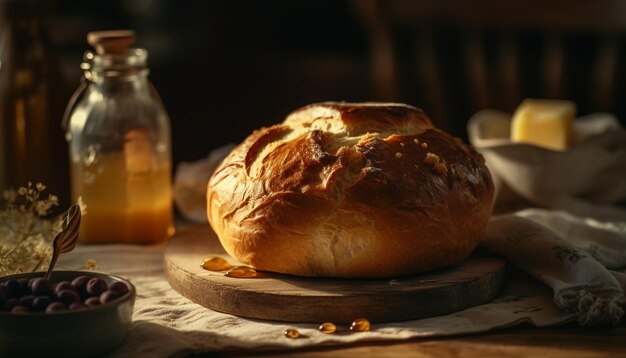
x=55, y=307
x=96, y=286
x=119, y=287
x=23, y=285
x=29, y=285
x=68, y=296
x=27, y=301
x=20, y=309
x=92, y=301
x=10, y=303
x=15, y=288
x=80, y=285
x=40, y=287
x=63, y=285
x=40, y=303
x=77, y=306
x=108, y=296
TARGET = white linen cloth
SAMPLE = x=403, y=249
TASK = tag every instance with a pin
x=190, y=184
x=166, y=324
x=573, y=265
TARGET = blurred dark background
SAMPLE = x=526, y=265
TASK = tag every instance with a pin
x=225, y=68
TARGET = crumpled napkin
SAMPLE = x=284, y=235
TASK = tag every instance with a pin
x=569, y=254
x=574, y=247
x=191, y=181
x=586, y=180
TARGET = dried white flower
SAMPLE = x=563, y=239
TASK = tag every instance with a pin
x=26, y=232
x=53, y=199
x=91, y=265
x=42, y=207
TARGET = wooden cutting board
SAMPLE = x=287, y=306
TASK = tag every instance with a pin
x=300, y=299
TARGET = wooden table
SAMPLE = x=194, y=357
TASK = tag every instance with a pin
x=522, y=341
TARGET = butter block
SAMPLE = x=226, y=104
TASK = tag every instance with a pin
x=545, y=123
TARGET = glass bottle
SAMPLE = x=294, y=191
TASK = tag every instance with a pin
x=120, y=151
x=33, y=94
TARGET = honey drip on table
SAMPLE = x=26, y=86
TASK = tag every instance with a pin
x=360, y=325
x=291, y=333
x=241, y=272
x=215, y=263
x=328, y=328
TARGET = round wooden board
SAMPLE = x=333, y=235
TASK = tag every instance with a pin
x=301, y=299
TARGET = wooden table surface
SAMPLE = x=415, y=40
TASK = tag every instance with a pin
x=521, y=341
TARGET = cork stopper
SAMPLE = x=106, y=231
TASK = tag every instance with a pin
x=114, y=42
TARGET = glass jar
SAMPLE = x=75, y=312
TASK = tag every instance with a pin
x=120, y=151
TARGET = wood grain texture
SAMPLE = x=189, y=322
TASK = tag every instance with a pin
x=299, y=299
x=522, y=341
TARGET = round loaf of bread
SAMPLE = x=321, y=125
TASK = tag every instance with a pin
x=351, y=190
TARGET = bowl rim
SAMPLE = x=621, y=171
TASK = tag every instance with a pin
x=129, y=296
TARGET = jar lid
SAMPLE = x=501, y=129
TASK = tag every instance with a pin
x=113, y=56
x=113, y=42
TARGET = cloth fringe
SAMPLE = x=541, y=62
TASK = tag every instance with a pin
x=593, y=308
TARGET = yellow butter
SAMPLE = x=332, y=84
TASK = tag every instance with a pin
x=545, y=123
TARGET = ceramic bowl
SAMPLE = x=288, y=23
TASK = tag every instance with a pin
x=87, y=332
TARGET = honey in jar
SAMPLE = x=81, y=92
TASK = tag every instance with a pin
x=120, y=151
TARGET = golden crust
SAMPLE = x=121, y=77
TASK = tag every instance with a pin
x=350, y=190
